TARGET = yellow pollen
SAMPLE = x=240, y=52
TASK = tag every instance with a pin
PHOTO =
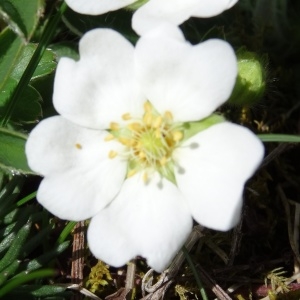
x=131, y=173
x=147, y=107
x=163, y=161
x=148, y=118
x=168, y=116
x=177, y=136
x=126, y=117
x=134, y=126
x=142, y=154
x=125, y=142
x=112, y=154
x=109, y=137
x=158, y=133
x=78, y=146
x=114, y=126
x=145, y=177
x=157, y=122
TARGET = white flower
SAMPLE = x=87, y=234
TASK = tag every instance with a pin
x=122, y=152
x=154, y=12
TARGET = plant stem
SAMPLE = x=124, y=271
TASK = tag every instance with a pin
x=196, y=275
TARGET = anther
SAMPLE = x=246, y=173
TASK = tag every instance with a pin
x=145, y=177
x=163, y=160
x=168, y=116
x=126, y=117
x=114, y=126
x=134, y=126
x=148, y=118
x=125, y=142
x=109, y=137
x=147, y=107
x=142, y=154
x=78, y=146
x=177, y=136
x=157, y=122
x=112, y=154
x=131, y=173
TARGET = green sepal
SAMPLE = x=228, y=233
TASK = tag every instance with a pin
x=136, y=5
x=192, y=128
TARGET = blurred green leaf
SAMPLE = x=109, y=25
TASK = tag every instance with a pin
x=12, y=152
x=46, y=257
x=39, y=290
x=17, y=281
x=10, y=50
x=9, y=271
x=23, y=19
x=27, y=109
x=46, y=65
x=16, y=247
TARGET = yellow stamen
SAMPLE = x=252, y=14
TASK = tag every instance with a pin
x=109, y=137
x=134, y=126
x=142, y=154
x=163, y=161
x=131, y=173
x=147, y=118
x=126, y=117
x=112, y=154
x=147, y=107
x=114, y=126
x=125, y=142
x=157, y=122
x=168, y=116
x=177, y=136
x=158, y=133
x=145, y=177
x=78, y=146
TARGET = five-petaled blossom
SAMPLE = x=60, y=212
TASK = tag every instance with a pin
x=153, y=12
x=128, y=149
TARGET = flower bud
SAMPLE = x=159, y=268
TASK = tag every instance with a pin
x=251, y=80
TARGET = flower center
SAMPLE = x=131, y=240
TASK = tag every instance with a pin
x=150, y=142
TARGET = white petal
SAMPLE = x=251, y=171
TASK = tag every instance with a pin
x=96, y=7
x=214, y=166
x=155, y=12
x=151, y=220
x=100, y=87
x=189, y=81
x=80, y=178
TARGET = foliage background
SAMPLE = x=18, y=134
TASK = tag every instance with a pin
x=257, y=258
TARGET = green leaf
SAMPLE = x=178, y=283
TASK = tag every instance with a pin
x=17, y=281
x=46, y=65
x=281, y=138
x=10, y=50
x=22, y=18
x=12, y=152
x=27, y=109
x=65, y=49
x=39, y=290
x=16, y=246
